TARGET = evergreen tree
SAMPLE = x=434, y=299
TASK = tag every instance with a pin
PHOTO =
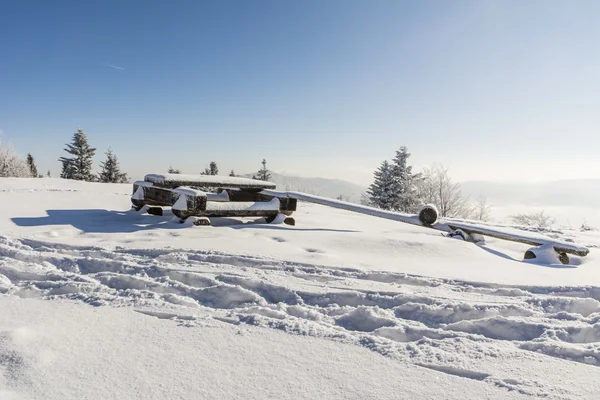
x=68, y=169
x=232, y=173
x=111, y=172
x=32, y=166
x=406, y=197
x=48, y=174
x=383, y=190
x=263, y=173
x=173, y=170
x=78, y=167
x=213, y=169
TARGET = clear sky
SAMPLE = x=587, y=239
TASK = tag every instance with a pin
x=495, y=90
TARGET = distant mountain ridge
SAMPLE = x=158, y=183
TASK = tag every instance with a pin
x=569, y=192
x=319, y=186
x=575, y=192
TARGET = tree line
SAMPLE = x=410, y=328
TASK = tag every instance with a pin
x=397, y=188
x=213, y=169
x=78, y=164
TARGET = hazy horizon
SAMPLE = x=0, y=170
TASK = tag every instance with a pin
x=494, y=90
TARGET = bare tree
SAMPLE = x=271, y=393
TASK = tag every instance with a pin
x=536, y=220
x=11, y=165
x=365, y=199
x=310, y=189
x=436, y=187
x=482, y=210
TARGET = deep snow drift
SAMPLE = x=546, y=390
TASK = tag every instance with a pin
x=97, y=301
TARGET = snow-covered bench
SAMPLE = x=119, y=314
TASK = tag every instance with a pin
x=193, y=195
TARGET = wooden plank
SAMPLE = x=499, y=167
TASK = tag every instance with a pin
x=206, y=181
x=236, y=195
x=186, y=202
x=231, y=209
x=344, y=205
x=560, y=247
x=443, y=225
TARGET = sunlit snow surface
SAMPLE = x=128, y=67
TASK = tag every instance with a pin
x=98, y=301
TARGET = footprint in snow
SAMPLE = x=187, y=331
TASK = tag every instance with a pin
x=310, y=250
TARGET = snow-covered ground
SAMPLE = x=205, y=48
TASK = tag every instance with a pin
x=97, y=301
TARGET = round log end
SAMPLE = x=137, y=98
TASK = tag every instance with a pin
x=428, y=214
x=202, y=222
x=155, y=211
x=290, y=221
x=529, y=255
x=460, y=234
x=563, y=258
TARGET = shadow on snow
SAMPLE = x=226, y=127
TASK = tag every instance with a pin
x=111, y=221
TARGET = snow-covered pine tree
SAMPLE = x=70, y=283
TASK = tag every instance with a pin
x=48, y=174
x=68, y=169
x=78, y=167
x=32, y=166
x=263, y=173
x=382, y=192
x=232, y=173
x=111, y=172
x=173, y=170
x=406, y=198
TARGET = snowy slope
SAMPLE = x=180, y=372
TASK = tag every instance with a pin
x=97, y=301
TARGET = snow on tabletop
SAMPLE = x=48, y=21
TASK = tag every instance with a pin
x=188, y=191
x=223, y=196
x=143, y=183
x=272, y=205
x=342, y=305
x=207, y=180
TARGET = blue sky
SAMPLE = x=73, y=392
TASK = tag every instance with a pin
x=495, y=90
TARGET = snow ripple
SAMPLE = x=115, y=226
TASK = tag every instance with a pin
x=427, y=321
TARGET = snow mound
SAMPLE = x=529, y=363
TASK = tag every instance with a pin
x=364, y=319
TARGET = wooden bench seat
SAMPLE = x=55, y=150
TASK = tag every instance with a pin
x=235, y=197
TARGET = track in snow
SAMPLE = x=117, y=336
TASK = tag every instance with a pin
x=454, y=327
